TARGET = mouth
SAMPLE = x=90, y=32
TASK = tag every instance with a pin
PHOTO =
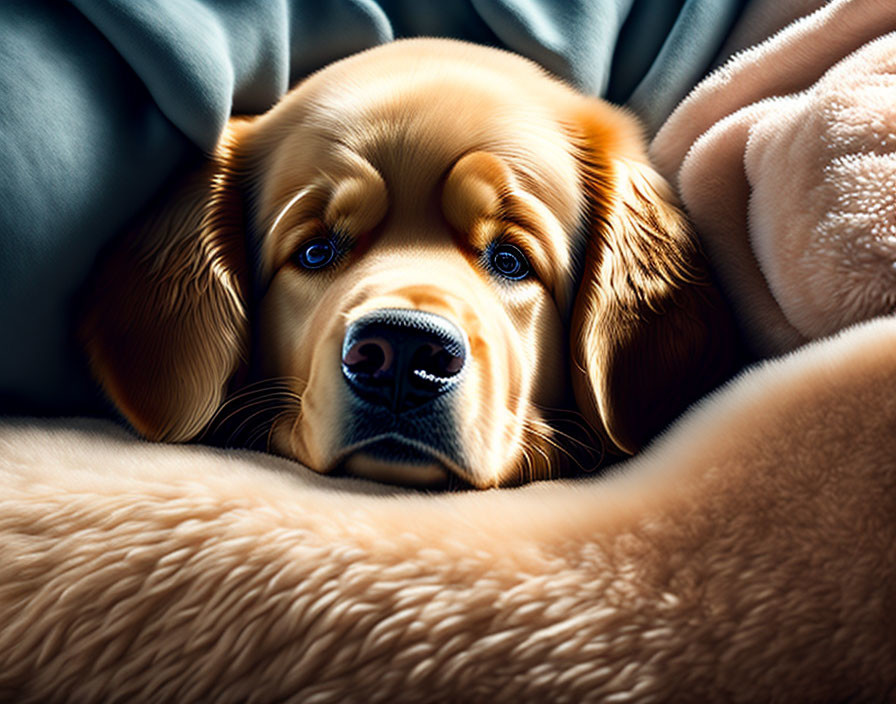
x=396, y=459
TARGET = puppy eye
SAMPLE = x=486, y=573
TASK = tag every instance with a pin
x=509, y=261
x=316, y=253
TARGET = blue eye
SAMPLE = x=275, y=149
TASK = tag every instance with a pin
x=316, y=253
x=509, y=261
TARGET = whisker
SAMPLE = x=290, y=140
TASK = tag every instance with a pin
x=261, y=413
x=576, y=457
x=280, y=417
x=547, y=461
x=248, y=413
x=558, y=414
x=544, y=433
x=279, y=385
x=526, y=471
x=256, y=435
x=571, y=438
x=263, y=385
x=565, y=410
x=267, y=429
x=256, y=402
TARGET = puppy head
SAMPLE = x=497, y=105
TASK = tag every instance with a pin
x=448, y=249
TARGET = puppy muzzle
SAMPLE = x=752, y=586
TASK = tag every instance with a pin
x=401, y=367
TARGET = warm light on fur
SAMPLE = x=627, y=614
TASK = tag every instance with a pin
x=419, y=154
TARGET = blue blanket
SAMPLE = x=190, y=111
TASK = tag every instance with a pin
x=102, y=101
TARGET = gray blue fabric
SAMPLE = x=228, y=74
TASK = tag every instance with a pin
x=102, y=101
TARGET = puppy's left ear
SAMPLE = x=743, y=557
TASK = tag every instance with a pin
x=165, y=325
x=650, y=332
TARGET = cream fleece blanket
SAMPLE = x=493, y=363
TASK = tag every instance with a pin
x=749, y=555
x=786, y=161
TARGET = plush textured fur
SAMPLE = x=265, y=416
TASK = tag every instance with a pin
x=748, y=555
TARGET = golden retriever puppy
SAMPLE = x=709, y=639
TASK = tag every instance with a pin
x=430, y=251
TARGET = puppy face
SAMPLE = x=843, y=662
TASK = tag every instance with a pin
x=430, y=202
x=444, y=248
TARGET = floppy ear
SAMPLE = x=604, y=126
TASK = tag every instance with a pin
x=165, y=322
x=650, y=332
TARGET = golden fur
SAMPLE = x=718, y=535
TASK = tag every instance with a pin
x=419, y=154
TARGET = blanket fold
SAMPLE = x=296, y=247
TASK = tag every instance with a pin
x=786, y=161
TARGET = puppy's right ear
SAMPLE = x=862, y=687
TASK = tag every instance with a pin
x=165, y=325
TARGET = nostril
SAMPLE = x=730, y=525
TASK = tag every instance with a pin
x=370, y=357
x=434, y=363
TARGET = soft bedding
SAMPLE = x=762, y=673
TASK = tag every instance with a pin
x=749, y=555
x=786, y=161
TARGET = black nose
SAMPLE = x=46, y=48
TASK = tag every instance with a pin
x=401, y=358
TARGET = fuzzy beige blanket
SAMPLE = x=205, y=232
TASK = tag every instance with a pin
x=748, y=555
